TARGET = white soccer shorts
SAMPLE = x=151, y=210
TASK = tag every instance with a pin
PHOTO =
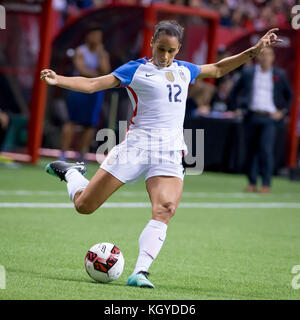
x=128, y=163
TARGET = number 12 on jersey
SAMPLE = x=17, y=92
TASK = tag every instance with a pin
x=177, y=90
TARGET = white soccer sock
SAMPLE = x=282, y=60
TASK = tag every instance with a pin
x=150, y=242
x=75, y=182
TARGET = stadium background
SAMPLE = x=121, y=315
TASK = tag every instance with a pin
x=254, y=236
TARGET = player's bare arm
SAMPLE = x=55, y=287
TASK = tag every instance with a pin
x=219, y=69
x=81, y=84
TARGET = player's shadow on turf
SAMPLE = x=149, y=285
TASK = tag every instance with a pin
x=85, y=280
x=45, y=276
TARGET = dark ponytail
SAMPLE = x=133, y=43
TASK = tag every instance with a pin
x=170, y=28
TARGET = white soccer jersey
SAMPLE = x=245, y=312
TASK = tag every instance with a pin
x=158, y=96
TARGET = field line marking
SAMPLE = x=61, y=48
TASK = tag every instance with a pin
x=269, y=205
x=129, y=194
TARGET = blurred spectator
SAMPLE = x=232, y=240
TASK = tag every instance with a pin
x=266, y=19
x=197, y=4
x=84, y=4
x=220, y=102
x=225, y=16
x=178, y=2
x=249, y=14
x=4, y=122
x=100, y=3
x=220, y=98
x=90, y=60
x=198, y=103
x=71, y=9
x=278, y=7
x=264, y=96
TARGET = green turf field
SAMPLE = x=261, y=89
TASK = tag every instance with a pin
x=221, y=244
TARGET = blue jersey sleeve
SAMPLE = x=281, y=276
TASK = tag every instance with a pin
x=126, y=72
x=194, y=69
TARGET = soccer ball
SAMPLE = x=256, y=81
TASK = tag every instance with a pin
x=104, y=262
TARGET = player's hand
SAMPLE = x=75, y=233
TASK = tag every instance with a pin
x=49, y=76
x=268, y=40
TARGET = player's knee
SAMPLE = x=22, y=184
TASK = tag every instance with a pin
x=171, y=208
x=164, y=212
x=83, y=207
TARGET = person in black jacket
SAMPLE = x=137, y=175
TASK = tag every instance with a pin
x=263, y=95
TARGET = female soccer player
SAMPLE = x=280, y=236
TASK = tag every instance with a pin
x=154, y=143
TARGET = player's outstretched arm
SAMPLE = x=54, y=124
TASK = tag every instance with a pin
x=219, y=69
x=81, y=84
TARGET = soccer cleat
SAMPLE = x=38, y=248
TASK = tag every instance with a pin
x=140, y=279
x=60, y=168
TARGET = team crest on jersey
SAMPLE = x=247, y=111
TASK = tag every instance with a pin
x=170, y=76
x=182, y=75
